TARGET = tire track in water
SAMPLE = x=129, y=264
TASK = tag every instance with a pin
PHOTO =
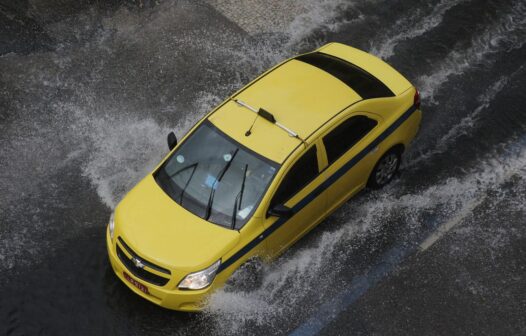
x=468, y=122
x=507, y=34
x=410, y=27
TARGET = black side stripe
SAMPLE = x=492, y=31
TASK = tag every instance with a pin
x=316, y=192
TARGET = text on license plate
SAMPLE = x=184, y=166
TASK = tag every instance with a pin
x=136, y=283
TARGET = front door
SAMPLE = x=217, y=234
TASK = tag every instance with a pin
x=298, y=190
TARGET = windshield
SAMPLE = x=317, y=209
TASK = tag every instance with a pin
x=216, y=178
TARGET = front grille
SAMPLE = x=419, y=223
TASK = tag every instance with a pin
x=141, y=272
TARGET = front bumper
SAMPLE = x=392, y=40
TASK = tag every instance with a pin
x=182, y=300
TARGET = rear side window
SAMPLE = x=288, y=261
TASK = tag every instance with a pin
x=301, y=173
x=346, y=135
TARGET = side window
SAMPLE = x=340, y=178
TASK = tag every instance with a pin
x=301, y=173
x=346, y=135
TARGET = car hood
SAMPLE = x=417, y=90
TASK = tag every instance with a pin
x=163, y=232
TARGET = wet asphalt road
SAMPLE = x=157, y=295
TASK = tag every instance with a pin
x=89, y=90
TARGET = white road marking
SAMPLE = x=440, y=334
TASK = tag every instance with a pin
x=445, y=227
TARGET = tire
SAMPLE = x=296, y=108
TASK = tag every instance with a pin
x=385, y=169
x=248, y=277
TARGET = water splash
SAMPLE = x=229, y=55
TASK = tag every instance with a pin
x=249, y=58
x=124, y=150
x=114, y=147
x=291, y=281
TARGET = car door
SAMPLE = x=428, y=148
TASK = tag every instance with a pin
x=349, y=163
x=299, y=191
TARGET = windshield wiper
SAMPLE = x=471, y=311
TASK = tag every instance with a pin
x=168, y=178
x=183, y=169
x=217, y=180
x=243, y=186
x=234, y=212
x=188, y=181
x=239, y=199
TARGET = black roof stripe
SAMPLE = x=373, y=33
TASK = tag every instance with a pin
x=365, y=84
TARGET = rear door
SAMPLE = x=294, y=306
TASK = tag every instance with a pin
x=349, y=159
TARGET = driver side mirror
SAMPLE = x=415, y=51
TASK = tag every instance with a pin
x=280, y=210
x=172, y=140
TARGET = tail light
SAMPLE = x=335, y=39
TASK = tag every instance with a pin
x=416, y=101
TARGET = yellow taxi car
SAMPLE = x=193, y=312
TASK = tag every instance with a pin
x=260, y=171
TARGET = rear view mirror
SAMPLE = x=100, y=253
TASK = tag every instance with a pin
x=172, y=140
x=280, y=211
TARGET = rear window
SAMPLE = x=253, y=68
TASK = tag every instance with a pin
x=362, y=82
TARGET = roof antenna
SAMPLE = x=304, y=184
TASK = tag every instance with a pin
x=247, y=133
x=268, y=116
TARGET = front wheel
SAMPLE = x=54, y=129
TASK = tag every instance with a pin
x=248, y=277
x=385, y=169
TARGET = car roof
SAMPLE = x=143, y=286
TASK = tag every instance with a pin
x=299, y=95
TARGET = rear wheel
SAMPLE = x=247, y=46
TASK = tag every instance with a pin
x=385, y=169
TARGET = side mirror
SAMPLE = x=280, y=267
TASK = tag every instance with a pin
x=280, y=211
x=172, y=140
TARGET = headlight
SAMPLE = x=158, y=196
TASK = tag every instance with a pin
x=201, y=279
x=111, y=224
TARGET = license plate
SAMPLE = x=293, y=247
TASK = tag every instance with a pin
x=136, y=283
